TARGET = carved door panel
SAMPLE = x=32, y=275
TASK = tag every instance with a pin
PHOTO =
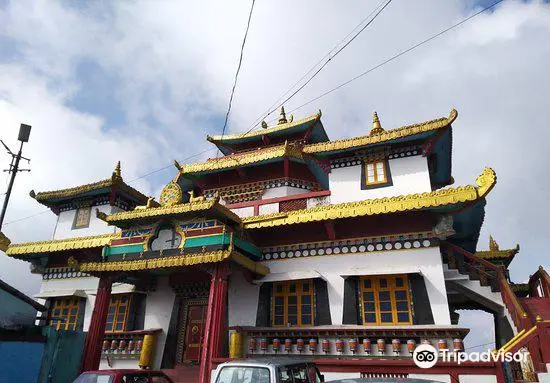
x=194, y=328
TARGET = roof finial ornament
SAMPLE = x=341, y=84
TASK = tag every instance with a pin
x=117, y=172
x=493, y=245
x=264, y=124
x=282, y=117
x=376, y=126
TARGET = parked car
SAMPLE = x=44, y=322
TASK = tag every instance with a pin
x=268, y=370
x=123, y=376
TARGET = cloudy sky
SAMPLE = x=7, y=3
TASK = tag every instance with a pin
x=144, y=82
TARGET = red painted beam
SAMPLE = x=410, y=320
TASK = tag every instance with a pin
x=96, y=332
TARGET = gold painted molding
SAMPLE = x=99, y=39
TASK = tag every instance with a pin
x=240, y=159
x=485, y=182
x=4, y=242
x=386, y=135
x=61, y=244
x=265, y=131
x=212, y=204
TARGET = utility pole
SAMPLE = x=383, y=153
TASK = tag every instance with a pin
x=24, y=133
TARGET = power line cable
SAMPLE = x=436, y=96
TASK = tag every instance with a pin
x=238, y=69
x=274, y=104
x=378, y=12
x=399, y=55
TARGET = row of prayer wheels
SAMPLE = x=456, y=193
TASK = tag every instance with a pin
x=339, y=344
x=122, y=346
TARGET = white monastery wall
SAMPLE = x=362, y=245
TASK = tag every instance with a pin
x=269, y=208
x=64, y=227
x=282, y=192
x=244, y=211
x=242, y=301
x=118, y=364
x=477, y=378
x=333, y=268
x=409, y=175
x=158, y=309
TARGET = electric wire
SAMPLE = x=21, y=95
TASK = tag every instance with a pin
x=378, y=12
x=277, y=101
x=238, y=69
x=413, y=47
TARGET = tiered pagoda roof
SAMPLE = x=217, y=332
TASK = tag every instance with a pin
x=308, y=130
x=114, y=185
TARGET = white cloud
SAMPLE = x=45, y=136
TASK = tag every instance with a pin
x=173, y=63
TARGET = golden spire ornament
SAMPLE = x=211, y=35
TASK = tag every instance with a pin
x=282, y=117
x=493, y=245
x=117, y=172
x=376, y=126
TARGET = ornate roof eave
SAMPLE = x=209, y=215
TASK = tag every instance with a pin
x=4, y=242
x=56, y=245
x=381, y=136
x=115, y=181
x=498, y=254
x=211, y=205
x=175, y=261
x=266, y=131
x=246, y=158
x=412, y=202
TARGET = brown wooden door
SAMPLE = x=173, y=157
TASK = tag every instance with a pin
x=194, y=328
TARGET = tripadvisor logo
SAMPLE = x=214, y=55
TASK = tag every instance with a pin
x=425, y=356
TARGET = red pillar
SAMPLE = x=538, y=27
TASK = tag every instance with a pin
x=215, y=321
x=96, y=332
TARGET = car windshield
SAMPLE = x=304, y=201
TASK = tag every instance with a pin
x=94, y=378
x=294, y=374
x=242, y=374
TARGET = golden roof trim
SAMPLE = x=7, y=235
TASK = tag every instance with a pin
x=61, y=244
x=265, y=131
x=484, y=183
x=386, y=135
x=4, y=242
x=240, y=159
x=114, y=180
x=170, y=210
x=494, y=254
x=156, y=263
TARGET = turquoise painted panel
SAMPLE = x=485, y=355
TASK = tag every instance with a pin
x=134, y=248
x=217, y=239
x=62, y=356
x=248, y=247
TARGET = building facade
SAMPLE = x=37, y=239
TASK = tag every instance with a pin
x=351, y=252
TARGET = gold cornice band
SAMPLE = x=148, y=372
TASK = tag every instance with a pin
x=61, y=244
x=386, y=135
x=256, y=133
x=485, y=182
x=204, y=205
x=240, y=159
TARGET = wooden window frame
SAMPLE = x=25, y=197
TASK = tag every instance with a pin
x=76, y=225
x=365, y=184
x=299, y=293
x=115, y=302
x=392, y=288
x=61, y=321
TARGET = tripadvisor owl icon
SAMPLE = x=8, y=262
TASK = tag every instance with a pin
x=425, y=356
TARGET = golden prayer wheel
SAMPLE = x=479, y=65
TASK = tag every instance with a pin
x=235, y=345
x=147, y=349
